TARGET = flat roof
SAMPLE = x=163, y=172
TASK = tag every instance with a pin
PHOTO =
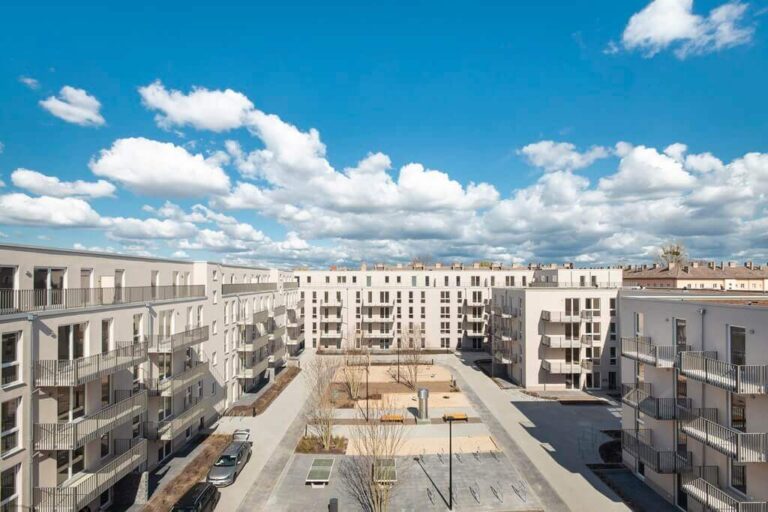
x=732, y=298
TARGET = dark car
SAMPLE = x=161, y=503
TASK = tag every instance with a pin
x=202, y=497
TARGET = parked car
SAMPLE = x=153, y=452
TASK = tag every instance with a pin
x=202, y=497
x=232, y=460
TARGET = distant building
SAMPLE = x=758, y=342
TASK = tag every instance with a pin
x=707, y=275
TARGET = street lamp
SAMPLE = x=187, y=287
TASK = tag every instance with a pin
x=450, y=462
x=367, y=395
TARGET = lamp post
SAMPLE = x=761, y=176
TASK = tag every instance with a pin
x=367, y=395
x=450, y=463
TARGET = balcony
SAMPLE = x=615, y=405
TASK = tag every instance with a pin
x=255, y=344
x=278, y=311
x=566, y=367
x=169, y=386
x=559, y=341
x=375, y=335
x=278, y=332
x=641, y=349
x=261, y=317
x=330, y=319
x=290, y=285
x=168, y=429
x=86, y=486
x=254, y=372
x=576, y=284
x=701, y=484
x=75, y=372
x=233, y=288
x=331, y=302
x=638, y=444
x=297, y=340
x=640, y=397
x=704, y=367
x=330, y=335
x=560, y=316
x=74, y=434
x=741, y=446
x=193, y=335
x=37, y=300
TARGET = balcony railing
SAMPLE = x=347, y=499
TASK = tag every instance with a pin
x=713, y=498
x=638, y=444
x=232, y=288
x=278, y=332
x=169, y=386
x=171, y=343
x=660, y=408
x=74, y=372
x=278, y=311
x=741, y=446
x=130, y=455
x=74, y=434
x=290, y=285
x=27, y=301
x=168, y=429
x=563, y=367
x=296, y=340
x=559, y=341
x=641, y=349
x=255, y=371
x=255, y=344
x=330, y=335
x=704, y=367
x=560, y=316
x=576, y=284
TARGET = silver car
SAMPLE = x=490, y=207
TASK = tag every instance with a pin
x=232, y=460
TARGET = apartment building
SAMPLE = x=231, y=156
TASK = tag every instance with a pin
x=695, y=397
x=382, y=307
x=110, y=363
x=559, y=332
x=697, y=275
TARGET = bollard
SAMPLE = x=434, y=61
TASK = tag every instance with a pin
x=333, y=506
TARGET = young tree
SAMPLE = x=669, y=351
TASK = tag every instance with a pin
x=369, y=475
x=320, y=412
x=412, y=357
x=355, y=365
x=673, y=252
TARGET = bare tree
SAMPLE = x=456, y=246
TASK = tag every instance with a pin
x=320, y=412
x=673, y=252
x=412, y=356
x=355, y=366
x=369, y=475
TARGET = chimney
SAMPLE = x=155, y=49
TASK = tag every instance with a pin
x=672, y=265
x=438, y=265
x=645, y=267
x=655, y=266
x=695, y=264
x=749, y=265
x=711, y=264
x=363, y=267
x=731, y=264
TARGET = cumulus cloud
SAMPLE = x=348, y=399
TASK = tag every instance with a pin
x=645, y=172
x=159, y=169
x=74, y=106
x=22, y=209
x=29, y=82
x=39, y=183
x=202, y=108
x=561, y=156
x=121, y=227
x=666, y=24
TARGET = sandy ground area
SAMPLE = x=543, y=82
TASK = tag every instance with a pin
x=379, y=373
x=406, y=400
x=433, y=445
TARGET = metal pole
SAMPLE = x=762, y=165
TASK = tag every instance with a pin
x=367, y=395
x=398, y=360
x=450, y=465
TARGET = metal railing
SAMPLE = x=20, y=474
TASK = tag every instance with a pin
x=232, y=288
x=560, y=316
x=563, y=367
x=713, y=498
x=705, y=367
x=173, y=342
x=290, y=285
x=255, y=371
x=559, y=341
x=299, y=338
x=74, y=434
x=26, y=301
x=74, y=372
x=638, y=444
x=641, y=349
x=168, y=429
x=278, y=311
x=576, y=284
x=742, y=446
x=171, y=385
x=661, y=408
x=130, y=455
x=278, y=331
x=255, y=344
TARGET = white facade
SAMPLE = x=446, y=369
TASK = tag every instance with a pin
x=695, y=395
x=377, y=307
x=110, y=363
x=560, y=332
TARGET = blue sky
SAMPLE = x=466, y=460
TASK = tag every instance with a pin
x=508, y=131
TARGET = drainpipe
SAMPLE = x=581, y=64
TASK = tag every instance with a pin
x=29, y=441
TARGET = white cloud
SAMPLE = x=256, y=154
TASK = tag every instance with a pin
x=159, y=169
x=121, y=227
x=22, y=209
x=672, y=23
x=74, y=106
x=703, y=162
x=180, y=254
x=29, y=82
x=202, y=108
x=561, y=156
x=645, y=172
x=39, y=183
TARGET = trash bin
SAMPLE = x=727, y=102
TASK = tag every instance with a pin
x=423, y=404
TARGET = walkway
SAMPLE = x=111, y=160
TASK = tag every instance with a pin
x=548, y=434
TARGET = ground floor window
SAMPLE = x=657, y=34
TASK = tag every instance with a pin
x=9, y=481
x=739, y=477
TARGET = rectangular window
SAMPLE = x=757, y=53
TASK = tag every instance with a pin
x=10, y=496
x=10, y=358
x=71, y=340
x=9, y=425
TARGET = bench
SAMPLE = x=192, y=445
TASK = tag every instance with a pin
x=456, y=416
x=392, y=418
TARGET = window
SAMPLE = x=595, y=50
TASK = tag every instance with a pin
x=9, y=425
x=214, y=359
x=10, y=358
x=474, y=281
x=106, y=335
x=612, y=354
x=71, y=339
x=386, y=279
x=398, y=279
x=413, y=280
x=739, y=477
x=367, y=280
x=215, y=327
x=445, y=343
x=69, y=463
x=138, y=327
x=104, y=451
x=9, y=482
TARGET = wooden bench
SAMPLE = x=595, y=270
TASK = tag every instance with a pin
x=456, y=416
x=392, y=418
